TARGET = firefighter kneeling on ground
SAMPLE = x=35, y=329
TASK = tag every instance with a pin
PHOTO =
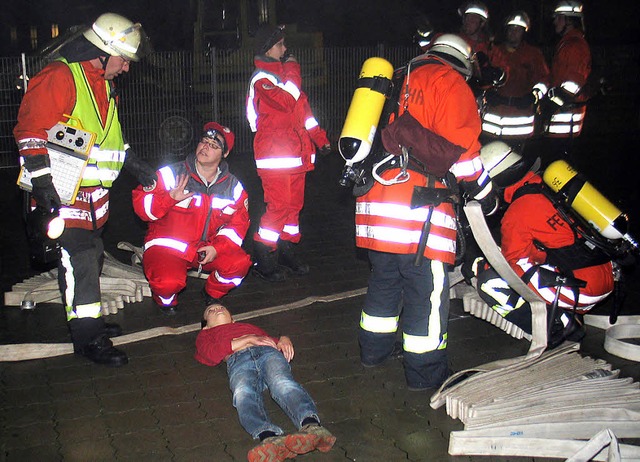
x=411, y=241
x=536, y=237
x=198, y=214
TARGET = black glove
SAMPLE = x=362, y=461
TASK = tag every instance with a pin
x=493, y=76
x=144, y=173
x=324, y=150
x=526, y=101
x=43, y=192
x=482, y=59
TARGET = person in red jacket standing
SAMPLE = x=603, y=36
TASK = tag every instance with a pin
x=410, y=242
x=565, y=105
x=198, y=215
x=510, y=110
x=286, y=137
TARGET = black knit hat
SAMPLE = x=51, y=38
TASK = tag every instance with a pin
x=266, y=37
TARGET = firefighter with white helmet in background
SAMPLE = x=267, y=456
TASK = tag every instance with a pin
x=510, y=109
x=411, y=238
x=475, y=26
x=80, y=84
x=564, y=108
x=538, y=240
x=476, y=32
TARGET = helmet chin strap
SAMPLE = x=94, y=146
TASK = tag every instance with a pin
x=104, y=60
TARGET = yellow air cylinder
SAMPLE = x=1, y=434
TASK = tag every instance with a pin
x=365, y=110
x=586, y=200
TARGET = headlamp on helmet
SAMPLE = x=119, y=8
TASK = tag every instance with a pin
x=216, y=137
x=220, y=135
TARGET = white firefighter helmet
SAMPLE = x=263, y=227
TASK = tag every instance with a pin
x=504, y=165
x=478, y=8
x=570, y=8
x=118, y=36
x=455, y=51
x=519, y=18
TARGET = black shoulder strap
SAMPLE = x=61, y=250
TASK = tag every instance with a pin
x=529, y=188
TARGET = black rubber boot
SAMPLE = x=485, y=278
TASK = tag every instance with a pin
x=266, y=264
x=289, y=258
x=101, y=351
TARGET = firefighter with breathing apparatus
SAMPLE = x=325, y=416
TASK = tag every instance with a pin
x=560, y=235
x=405, y=216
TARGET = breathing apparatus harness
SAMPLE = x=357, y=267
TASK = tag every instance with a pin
x=589, y=248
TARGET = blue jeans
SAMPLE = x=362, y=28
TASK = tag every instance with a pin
x=255, y=369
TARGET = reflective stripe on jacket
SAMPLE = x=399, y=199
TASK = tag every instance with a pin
x=278, y=112
x=216, y=215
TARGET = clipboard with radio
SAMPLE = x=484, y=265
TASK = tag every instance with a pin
x=69, y=146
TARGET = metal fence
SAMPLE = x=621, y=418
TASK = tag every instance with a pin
x=166, y=98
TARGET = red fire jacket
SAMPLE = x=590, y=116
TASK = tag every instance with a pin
x=505, y=115
x=278, y=112
x=52, y=93
x=441, y=100
x=217, y=215
x=531, y=218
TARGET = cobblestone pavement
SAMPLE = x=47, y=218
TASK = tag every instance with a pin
x=165, y=406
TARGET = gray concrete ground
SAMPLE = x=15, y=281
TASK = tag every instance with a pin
x=166, y=406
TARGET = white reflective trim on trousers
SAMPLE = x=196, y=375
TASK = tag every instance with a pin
x=167, y=242
x=279, y=162
x=421, y=344
x=69, y=281
x=268, y=235
x=378, y=324
x=90, y=310
x=147, y=203
x=231, y=235
x=404, y=212
x=168, y=178
x=235, y=281
x=167, y=301
x=293, y=230
x=467, y=167
x=310, y=123
x=492, y=288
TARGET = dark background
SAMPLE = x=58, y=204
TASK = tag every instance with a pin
x=169, y=23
